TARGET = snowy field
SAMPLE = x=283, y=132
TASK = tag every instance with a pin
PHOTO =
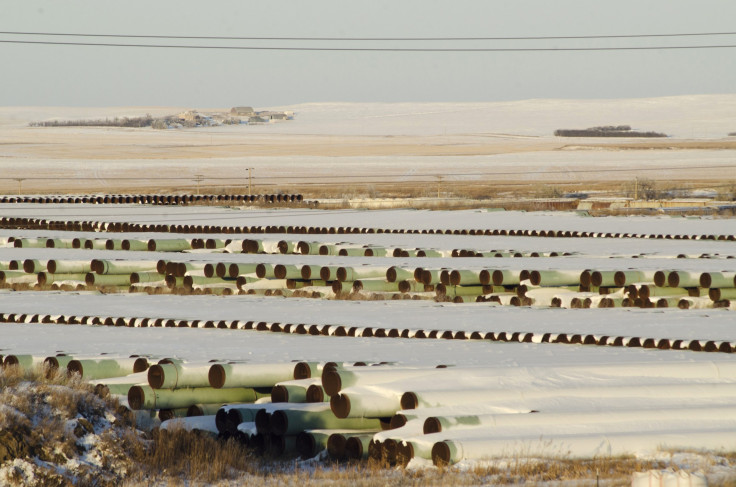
x=635, y=382
x=380, y=143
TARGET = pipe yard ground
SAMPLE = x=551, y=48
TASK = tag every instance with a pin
x=468, y=346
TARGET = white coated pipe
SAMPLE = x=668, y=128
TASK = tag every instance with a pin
x=586, y=446
x=249, y=375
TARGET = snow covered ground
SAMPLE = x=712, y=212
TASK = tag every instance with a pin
x=529, y=366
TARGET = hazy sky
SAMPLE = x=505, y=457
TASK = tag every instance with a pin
x=116, y=76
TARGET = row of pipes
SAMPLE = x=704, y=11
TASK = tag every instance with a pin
x=721, y=346
x=76, y=225
x=158, y=199
x=284, y=247
x=394, y=413
x=515, y=287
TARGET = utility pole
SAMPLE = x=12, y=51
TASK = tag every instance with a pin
x=20, y=184
x=250, y=181
x=198, y=178
x=636, y=188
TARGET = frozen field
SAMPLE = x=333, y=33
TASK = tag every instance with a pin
x=374, y=143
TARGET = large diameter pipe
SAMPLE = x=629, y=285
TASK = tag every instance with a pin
x=118, y=385
x=335, y=379
x=365, y=402
x=17, y=277
x=395, y=274
x=169, y=374
x=337, y=444
x=540, y=398
x=104, y=368
x=465, y=277
x=93, y=279
x=249, y=375
x=376, y=284
x=508, y=277
x=621, y=278
x=716, y=294
x=293, y=390
x=104, y=266
x=309, y=272
x=169, y=245
x=554, y=278
x=46, y=278
x=683, y=279
x=145, y=397
x=310, y=442
x=717, y=279
x=283, y=271
x=142, y=277
x=437, y=424
x=134, y=244
x=583, y=446
x=300, y=417
x=362, y=272
x=68, y=266
x=235, y=270
x=24, y=362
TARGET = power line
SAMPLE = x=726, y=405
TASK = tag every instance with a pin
x=371, y=49
x=393, y=39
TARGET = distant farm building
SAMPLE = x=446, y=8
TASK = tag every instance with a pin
x=242, y=111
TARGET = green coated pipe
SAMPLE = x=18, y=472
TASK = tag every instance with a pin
x=134, y=244
x=138, y=277
x=328, y=272
x=114, y=244
x=235, y=270
x=361, y=272
x=145, y=397
x=465, y=277
x=169, y=245
x=554, y=278
x=39, y=243
x=300, y=417
x=265, y=271
x=716, y=294
x=506, y=277
x=68, y=266
x=203, y=409
x=310, y=442
x=33, y=265
x=308, y=248
x=249, y=375
x=396, y=274
x=46, y=278
x=683, y=279
x=93, y=279
x=718, y=279
x=293, y=390
x=602, y=278
x=365, y=402
x=168, y=375
x=17, y=277
x=102, y=368
x=111, y=267
x=60, y=243
x=283, y=271
x=26, y=362
x=95, y=244
x=375, y=284
x=356, y=446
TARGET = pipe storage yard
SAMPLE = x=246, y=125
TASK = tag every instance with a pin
x=414, y=337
